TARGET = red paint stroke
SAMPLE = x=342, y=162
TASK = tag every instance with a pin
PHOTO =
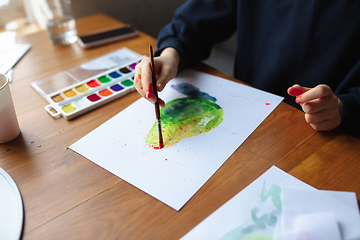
x=138, y=81
x=149, y=92
x=267, y=103
x=161, y=145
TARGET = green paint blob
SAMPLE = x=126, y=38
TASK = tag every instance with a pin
x=104, y=79
x=266, y=219
x=274, y=192
x=253, y=231
x=127, y=83
x=183, y=118
x=247, y=233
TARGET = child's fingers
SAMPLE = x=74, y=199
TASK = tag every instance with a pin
x=317, y=117
x=143, y=80
x=313, y=106
x=323, y=110
x=166, y=72
x=319, y=91
x=297, y=90
x=325, y=125
x=329, y=102
x=161, y=103
x=137, y=82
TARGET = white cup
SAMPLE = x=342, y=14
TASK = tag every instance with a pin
x=9, y=126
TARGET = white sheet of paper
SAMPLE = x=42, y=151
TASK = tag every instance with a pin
x=251, y=214
x=110, y=60
x=7, y=39
x=316, y=226
x=343, y=204
x=11, y=55
x=174, y=174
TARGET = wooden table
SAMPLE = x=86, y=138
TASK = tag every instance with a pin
x=69, y=197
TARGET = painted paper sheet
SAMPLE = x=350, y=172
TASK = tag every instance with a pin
x=252, y=214
x=174, y=174
x=277, y=206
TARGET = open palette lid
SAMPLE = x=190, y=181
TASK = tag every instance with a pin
x=87, y=86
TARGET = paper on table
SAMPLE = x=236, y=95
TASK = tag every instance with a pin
x=10, y=56
x=342, y=204
x=174, y=174
x=252, y=213
x=316, y=226
x=7, y=39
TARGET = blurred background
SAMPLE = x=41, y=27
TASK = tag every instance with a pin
x=149, y=16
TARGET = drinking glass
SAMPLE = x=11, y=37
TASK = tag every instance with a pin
x=60, y=21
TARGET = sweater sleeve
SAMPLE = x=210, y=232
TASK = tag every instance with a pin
x=349, y=94
x=196, y=26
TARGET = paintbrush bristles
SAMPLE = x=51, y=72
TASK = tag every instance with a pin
x=157, y=109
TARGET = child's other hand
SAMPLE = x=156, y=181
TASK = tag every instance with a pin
x=323, y=110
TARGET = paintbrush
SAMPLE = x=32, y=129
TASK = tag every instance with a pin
x=157, y=109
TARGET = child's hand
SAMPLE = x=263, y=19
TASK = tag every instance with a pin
x=323, y=110
x=165, y=69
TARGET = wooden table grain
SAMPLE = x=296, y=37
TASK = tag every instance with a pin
x=69, y=197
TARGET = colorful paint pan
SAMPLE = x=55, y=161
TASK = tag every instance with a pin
x=93, y=92
x=125, y=70
x=133, y=65
x=94, y=83
x=117, y=88
x=70, y=93
x=105, y=92
x=104, y=79
x=58, y=98
x=69, y=108
x=115, y=74
x=82, y=88
x=127, y=83
x=94, y=97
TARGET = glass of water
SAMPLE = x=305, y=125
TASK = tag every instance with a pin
x=60, y=21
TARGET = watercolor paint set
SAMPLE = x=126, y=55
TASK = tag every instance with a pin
x=89, y=85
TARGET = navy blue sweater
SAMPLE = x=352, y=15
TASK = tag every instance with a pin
x=280, y=43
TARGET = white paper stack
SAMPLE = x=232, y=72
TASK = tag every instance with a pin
x=277, y=206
